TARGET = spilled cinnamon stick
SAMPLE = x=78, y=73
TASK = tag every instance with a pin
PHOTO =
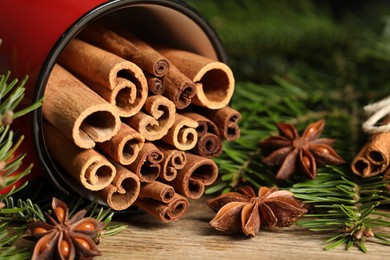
x=87, y=166
x=213, y=79
x=171, y=211
x=123, y=191
x=226, y=119
x=147, y=165
x=196, y=174
x=173, y=161
x=78, y=112
x=120, y=82
x=157, y=190
x=124, y=146
x=155, y=119
x=182, y=135
x=105, y=38
x=209, y=142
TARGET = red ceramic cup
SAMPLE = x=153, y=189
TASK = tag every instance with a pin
x=34, y=33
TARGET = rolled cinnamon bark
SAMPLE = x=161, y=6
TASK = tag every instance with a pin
x=209, y=142
x=226, y=119
x=155, y=84
x=174, y=160
x=155, y=119
x=157, y=190
x=172, y=211
x=374, y=157
x=196, y=174
x=147, y=165
x=120, y=82
x=87, y=166
x=78, y=112
x=182, y=135
x=125, y=47
x=123, y=191
x=124, y=146
x=213, y=79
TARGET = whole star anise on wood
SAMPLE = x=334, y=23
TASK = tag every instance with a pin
x=64, y=238
x=245, y=212
x=294, y=153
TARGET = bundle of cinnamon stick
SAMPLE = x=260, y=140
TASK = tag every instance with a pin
x=136, y=123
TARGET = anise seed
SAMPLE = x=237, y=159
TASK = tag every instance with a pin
x=65, y=248
x=306, y=162
x=83, y=243
x=39, y=230
x=86, y=226
x=60, y=213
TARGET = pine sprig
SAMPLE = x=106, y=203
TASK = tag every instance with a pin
x=345, y=206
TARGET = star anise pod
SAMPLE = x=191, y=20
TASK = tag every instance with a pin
x=294, y=153
x=245, y=212
x=64, y=238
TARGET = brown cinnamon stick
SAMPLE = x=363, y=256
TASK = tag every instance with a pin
x=155, y=119
x=78, y=112
x=87, y=166
x=209, y=142
x=158, y=191
x=226, y=119
x=196, y=174
x=213, y=79
x=155, y=84
x=182, y=135
x=147, y=165
x=172, y=211
x=120, y=82
x=174, y=160
x=124, y=146
x=123, y=191
x=149, y=60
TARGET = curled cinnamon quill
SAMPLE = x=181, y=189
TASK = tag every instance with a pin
x=213, y=79
x=123, y=190
x=120, y=82
x=155, y=119
x=155, y=84
x=158, y=191
x=182, y=135
x=87, y=166
x=196, y=174
x=173, y=161
x=209, y=142
x=226, y=119
x=78, y=112
x=167, y=212
x=147, y=165
x=124, y=146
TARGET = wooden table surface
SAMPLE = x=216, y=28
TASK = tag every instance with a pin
x=192, y=238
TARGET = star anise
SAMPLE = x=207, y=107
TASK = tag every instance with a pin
x=293, y=153
x=245, y=212
x=64, y=238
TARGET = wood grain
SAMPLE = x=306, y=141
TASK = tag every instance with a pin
x=192, y=238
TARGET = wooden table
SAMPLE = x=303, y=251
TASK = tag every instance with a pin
x=193, y=238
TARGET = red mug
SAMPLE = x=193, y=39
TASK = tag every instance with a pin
x=34, y=33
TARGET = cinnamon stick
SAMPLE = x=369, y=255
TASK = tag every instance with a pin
x=196, y=174
x=226, y=119
x=182, y=135
x=119, y=81
x=124, y=146
x=87, y=166
x=158, y=191
x=173, y=161
x=147, y=165
x=123, y=191
x=155, y=119
x=171, y=211
x=102, y=36
x=213, y=79
x=78, y=112
x=155, y=84
x=209, y=142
